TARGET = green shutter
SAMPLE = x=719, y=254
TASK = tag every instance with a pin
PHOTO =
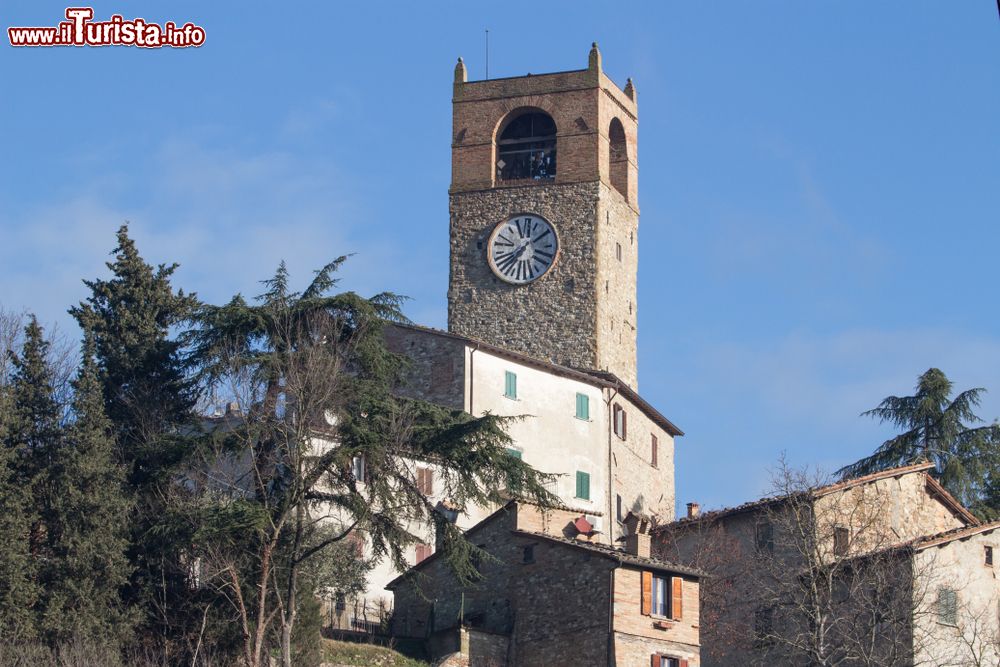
x=583, y=485
x=582, y=406
x=510, y=385
x=513, y=452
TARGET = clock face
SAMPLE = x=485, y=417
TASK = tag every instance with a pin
x=523, y=249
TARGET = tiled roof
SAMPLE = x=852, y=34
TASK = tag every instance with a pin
x=922, y=466
x=593, y=377
x=612, y=553
x=954, y=534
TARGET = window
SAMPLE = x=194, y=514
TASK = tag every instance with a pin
x=528, y=553
x=425, y=481
x=618, y=504
x=582, y=406
x=765, y=536
x=424, y=552
x=654, y=451
x=841, y=540
x=510, y=385
x=618, y=157
x=947, y=606
x=583, y=485
x=620, y=422
x=358, y=468
x=516, y=453
x=988, y=556
x=662, y=595
x=618, y=251
x=660, y=660
x=526, y=148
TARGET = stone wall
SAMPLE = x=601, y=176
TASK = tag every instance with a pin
x=436, y=366
x=582, y=313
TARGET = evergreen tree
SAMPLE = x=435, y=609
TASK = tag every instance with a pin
x=148, y=400
x=313, y=368
x=939, y=429
x=18, y=591
x=87, y=569
x=146, y=392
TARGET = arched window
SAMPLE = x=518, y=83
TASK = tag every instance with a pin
x=618, y=157
x=526, y=149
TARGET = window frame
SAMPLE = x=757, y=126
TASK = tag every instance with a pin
x=841, y=540
x=619, y=421
x=582, y=401
x=510, y=385
x=582, y=480
x=947, y=606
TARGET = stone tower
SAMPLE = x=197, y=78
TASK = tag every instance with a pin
x=545, y=215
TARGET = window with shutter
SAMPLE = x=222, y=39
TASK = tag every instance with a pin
x=654, y=453
x=647, y=593
x=425, y=481
x=582, y=406
x=660, y=600
x=676, y=598
x=619, y=420
x=841, y=540
x=516, y=453
x=583, y=485
x=424, y=552
x=947, y=606
x=510, y=385
x=660, y=660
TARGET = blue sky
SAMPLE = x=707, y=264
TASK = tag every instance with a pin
x=818, y=184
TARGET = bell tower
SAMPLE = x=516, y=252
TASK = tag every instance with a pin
x=544, y=216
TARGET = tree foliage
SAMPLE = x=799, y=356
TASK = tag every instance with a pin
x=318, y=386
x=943, y=430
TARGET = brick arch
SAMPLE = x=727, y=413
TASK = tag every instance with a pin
x=618, y=156
x=530, y=157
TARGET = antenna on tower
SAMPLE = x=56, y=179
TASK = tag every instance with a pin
x=488, y=51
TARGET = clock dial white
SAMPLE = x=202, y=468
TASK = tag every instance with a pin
x=523, y=249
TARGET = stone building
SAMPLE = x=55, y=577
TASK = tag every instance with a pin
x=610, y=450
x=884, y=569
x=542, y=296
x=556, y=152
x=551, y=596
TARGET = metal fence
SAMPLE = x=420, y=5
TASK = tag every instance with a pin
x=359, y=616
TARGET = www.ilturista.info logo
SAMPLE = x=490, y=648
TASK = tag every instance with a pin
x=80, y=30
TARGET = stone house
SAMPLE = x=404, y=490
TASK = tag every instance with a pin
x=610, y=450
x=551, y=596
x=865, y=570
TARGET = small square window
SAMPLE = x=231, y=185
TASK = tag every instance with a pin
x=510, y=385
x=988, y=556
x=583, y=485
x=582, y=406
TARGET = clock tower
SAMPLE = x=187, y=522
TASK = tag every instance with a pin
x=544, y=217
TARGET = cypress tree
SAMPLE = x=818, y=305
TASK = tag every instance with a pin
x=17, y=583
x=146, y=393
x=148, y=400
x=82, y=580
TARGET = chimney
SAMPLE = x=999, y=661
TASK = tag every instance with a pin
x=637, y=541
x=694, y=509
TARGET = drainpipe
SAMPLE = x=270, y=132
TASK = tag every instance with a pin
x=612, y=519
x=472, y=407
